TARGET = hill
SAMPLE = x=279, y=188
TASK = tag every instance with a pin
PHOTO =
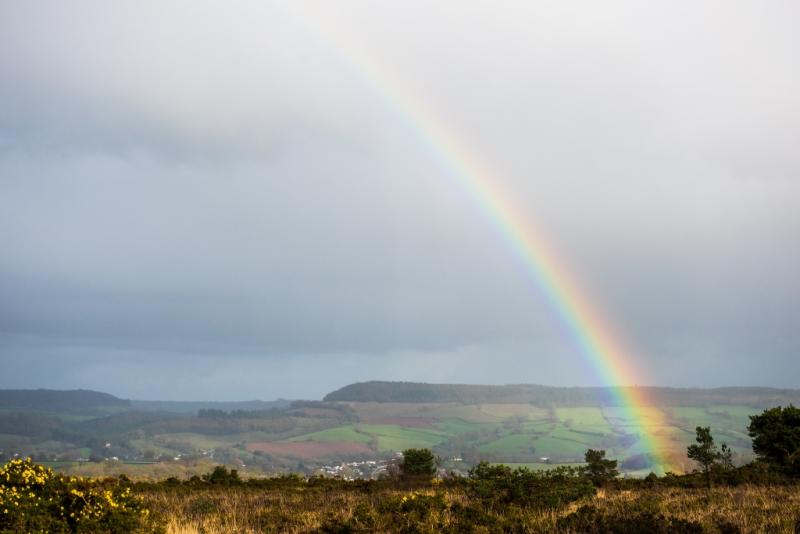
x=57, y=401
x=544, y=396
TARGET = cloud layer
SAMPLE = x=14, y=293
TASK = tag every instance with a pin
x=205, y=201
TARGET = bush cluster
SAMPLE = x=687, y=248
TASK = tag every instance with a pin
x=501, y=485
x=35, y=499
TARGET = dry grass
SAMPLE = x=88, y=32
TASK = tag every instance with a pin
x=750, y=508
x=295, y=510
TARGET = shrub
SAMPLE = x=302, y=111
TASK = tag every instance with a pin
x=275, y=520
x=35, y=499
x=473, y=518
x=415, y=512
x=499, y=484
x=220, y=475
x=589, y=519
x=201, y=506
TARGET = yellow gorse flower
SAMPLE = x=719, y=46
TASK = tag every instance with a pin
x=28, y=489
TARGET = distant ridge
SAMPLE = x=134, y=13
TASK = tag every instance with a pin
x=52, y=400
x=418, y=392
x=96, y=402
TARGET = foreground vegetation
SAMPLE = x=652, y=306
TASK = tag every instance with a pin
x=352, y=507
x=491, y=498
x=763, y=496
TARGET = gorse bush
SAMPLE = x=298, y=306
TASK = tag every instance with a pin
x=35, y=499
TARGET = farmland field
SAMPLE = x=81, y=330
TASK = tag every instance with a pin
x=582, y=416
x=513, y=433
x=311, y=436
x=514, y=443
x=397, y=438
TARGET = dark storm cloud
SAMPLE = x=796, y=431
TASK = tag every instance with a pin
x=207, y=197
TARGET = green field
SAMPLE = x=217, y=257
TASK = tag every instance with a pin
x=540, y=466
x=511, y=444
x=588, y=438
x=454, y=427
x=398, y=438
x=582, y=417
x=559, y=448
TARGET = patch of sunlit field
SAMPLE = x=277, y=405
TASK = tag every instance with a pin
x=738, y=509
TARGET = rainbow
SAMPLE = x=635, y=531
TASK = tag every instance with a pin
x=611, y=360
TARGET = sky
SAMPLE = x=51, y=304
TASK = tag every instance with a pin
x=211, y=201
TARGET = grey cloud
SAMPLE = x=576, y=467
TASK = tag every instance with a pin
x=200, y=189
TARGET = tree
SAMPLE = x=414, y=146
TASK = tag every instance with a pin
x=725, y=460
x=418, y=463
x=221, y=475
x=598, y=469
x=776, y=437
x=707, y=454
